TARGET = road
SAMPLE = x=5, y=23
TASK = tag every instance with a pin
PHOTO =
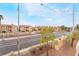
x=11, y=45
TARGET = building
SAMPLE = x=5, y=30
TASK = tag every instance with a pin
x=35, y=29
x=8, y=28
x=21, y=28
x=25, y=28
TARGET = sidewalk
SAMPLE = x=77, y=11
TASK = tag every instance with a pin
x=68, y=51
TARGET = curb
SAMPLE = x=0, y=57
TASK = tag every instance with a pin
x=27, y=50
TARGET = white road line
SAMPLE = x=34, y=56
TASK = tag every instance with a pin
x=16, y=44
x=19, y=37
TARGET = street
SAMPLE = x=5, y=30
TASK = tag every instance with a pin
x=11, y=45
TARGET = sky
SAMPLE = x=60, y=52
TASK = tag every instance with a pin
x=51, y=14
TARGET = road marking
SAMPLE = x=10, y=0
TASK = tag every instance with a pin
x=16, y=44
x=19, y=37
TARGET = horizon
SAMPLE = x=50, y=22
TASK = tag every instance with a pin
x=36, y=15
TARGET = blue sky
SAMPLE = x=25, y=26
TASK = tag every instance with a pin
x=36, y=15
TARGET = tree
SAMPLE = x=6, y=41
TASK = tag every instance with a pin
x=77, y=26
x=63, y=27
x=71, y=37
x=46, y=35
x=1, y=17
x=76, y=34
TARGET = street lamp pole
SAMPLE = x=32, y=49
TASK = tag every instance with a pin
x=18, y=43
x=73, y=19
x=46, y=7
x=72, y=26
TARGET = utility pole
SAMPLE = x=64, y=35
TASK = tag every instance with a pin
x=73, y=26
x=73, y=19
x=18, y=43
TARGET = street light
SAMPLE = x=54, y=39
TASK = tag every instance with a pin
x=18, y=43
x=73, y=26
x=46, y=37
x=73, y=18
x=72, y=14
x=45, y=6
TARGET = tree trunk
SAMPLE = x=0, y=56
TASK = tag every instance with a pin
x=0, y=28
x=47, y=52
x=0, y=21
x=0, y=25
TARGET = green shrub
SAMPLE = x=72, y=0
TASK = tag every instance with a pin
x=46, y=34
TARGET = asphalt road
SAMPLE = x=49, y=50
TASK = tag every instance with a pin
x=11, y=45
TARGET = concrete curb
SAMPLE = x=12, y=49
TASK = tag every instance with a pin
x=27, y=50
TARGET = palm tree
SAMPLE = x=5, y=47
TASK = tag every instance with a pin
x=46, y=36
x=1, y=17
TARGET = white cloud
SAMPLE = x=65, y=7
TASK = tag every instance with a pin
x=34, y=9
x=76, y=20
x=8, y=18
x=57, y=11
x=37, y=9
x=68, y=10
x=49, y=19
